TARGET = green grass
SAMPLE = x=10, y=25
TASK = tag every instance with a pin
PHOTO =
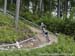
x=8, y=32
x=65, y=44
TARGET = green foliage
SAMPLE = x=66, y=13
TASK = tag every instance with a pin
x=1, y=3
x=54, y=24
x=29, y=16
x=8, y=32
x=5, y=20
x=11, y=7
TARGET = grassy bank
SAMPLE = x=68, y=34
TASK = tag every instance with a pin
x=8, y=32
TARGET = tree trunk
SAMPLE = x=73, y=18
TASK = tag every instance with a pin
x=5, y=6
x=66, y=7
x=58, y=9
x=31, y=6
x=11, y=2
x=41, y=7
x=17, y=13
x=50, y=4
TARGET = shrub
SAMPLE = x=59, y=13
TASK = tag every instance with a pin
x=54, y=24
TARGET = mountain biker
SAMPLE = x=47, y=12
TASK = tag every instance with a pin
x=42, y=26
x=46, y=35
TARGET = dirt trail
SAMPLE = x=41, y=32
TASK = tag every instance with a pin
x=40, y=38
